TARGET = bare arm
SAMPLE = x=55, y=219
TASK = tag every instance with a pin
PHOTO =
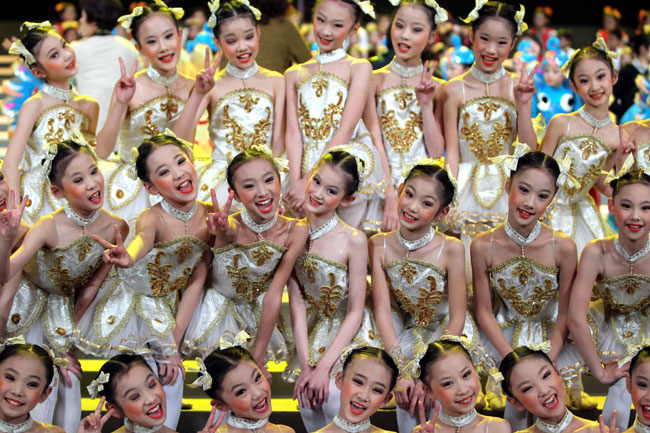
x=24, y=126
x=42, y=233
x=426, y=92
x=524, y=92
x=455, y=252
x=293, y=141
x=567, y=265
x=450, y=112
x=277, y=144
x=191, y=297
x=381, y=292
x=556, y=130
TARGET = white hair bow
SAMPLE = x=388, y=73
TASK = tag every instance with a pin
x=126, y=20
x=366, y=7
x=566, y=178
x=18, y=48
x=519, y=19
x=281, y=163
x=204, y=381
x=350, y=149
x=97, y=385
x=473, y=15
x=511, y=161
x=177, y=12
x=613, y=175
x=240, y=340
x=544, y=346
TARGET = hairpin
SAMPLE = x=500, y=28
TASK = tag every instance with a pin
x=613, y=175
x=348, y=148
x=519, y=19
x=544, y=346
x=239, y=340
x=566, y=178
x=18, y=48
x=473, y=15
x=97, y=385
x=633, y=350
x=204, y=381
x=511, y=161
x=281, y=163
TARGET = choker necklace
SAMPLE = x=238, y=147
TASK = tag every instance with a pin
x=520, y=240
x=632, y=259
x=418, y=243
x=64, y=95
x=16, y=428
x=242, y=74
x=246, y=424
x=257, y=228
x=405, y=71
x=351, y=427
x=322, y=230
x=457, y=421
x=137, y=428
x=78, y=219
x=555, y=428
x=178, y=214
x=157, y=77
x=330, y=57
x=591, y=120
x=640, y=428
x=486, y=78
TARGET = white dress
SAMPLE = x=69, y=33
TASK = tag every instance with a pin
x=642, y=155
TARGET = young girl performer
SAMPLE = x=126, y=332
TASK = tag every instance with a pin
x=325, y=100
x=246, y=104
x=327, y=307
x=366, y=383
x=26, y=372
x=590, y=139
x=47, y=117
x=423, y=272
x=485, y=109
x=57, y=258
x=618, y=267
x=253, y=256
x=450, y=378
x=637, y=385
x=143, y=104
x=636, y=137
x=166, y=256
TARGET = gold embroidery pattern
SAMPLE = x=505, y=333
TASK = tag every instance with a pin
x=424, y=310
x=319, y=129
x=84, y=247
x=629, y=284
x=149, y=128
x=183, y=250
x=327, y=304
x=402, y=97
x=408, y=271
x=401, y=139
x=488, y=107
x=310, y=267
x=320, y=84
x=241, y=140
x=160, y=278
x=484, y=149
x=523, y=271
x=248, y=100
x=588, y=147
x=531, y=307
x=261, y=255
x=53, y=136
x=170, y=108
x=68, y=118
x=587, y=179
x=246, y=289
x=61, y=277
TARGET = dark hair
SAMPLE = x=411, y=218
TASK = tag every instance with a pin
x=148, y=146
x=537, y=159
x=65, y=152
x=639, y=358
x=497, y=9
x=431, y=13
x=220, y=362
x=638, y=41
x=358, y=13
x=589, y=52
x=271, y=9
x=565, y=33
x=435, y=352
x=116, y=367
x=438, y=173
x=629, y=178
x=104, y=13
x=512, y=359
x=345, y=162
x=374, y=353
x=34, y=351
x=146, y=13
x=244, y=157
x=32, y=38
x=231, y=9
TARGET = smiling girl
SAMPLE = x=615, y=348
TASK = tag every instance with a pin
x=638, y=378
x=47, y=117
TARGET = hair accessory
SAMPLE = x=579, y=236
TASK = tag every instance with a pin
x=555, y=428
x=511, y=161
x=204, y=381
x=186, y=144
x=24, y=426
x=98, y=385
x=127, y=20
x=351, y=150
x=473, y=15
x=240, y=340
x=177, y=12
x=495, y=374
x=281, y=163
x=80, y=139
x=132, y=170
x=613, y=12
x=460, y=339
x=18, y=48
x=351, y=427
x=406, y=172
x=519, y=18
x=639, y=427
x=566, y=178
x=214, y=7
x=544, y=346
x=58, y=362
x=142, y=351
x=633, y=350
x=10, y=341
x=256, y=12
x=28, y=26
x=441, y=13
x=50, y=150
x=454, y=182
x=366, y=7
x=613, y=175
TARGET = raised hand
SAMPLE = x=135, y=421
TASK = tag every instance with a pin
x=115, y=254
x=94, y=422
x=210, y=425
x=426, y=89
x=612, y=424
x=204, y=81
x=612, y=372
x=125, y=86
x=10, y=217
x=218, y=221
x=525, y=89
x=429, y=426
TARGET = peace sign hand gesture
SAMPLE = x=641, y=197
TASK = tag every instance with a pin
x=125, y=86
x=426, y=89
x=115, y=254
x=204, y=81
x=10, y=217
x=210, y=425
x=218, y=221
x=94, y=422
x=525, y=89
x=612, y=424
x=430, y=426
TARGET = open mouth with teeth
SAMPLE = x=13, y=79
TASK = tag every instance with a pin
x=156, y=412
x=3, y=203
x=262, y=406
x=314, y=202
x=265, y=205
x=645, y=411
x=403, y=48
x=72, y=65
x=14, y=403
x=525, y=214
x=489, y=60
x=465, y=401
x=597, y=96
x=408, y=217
x=95, y=197
x=324, y=41
x=167, y=58
x=634, y=227
x=551, y=402
x=356, y=408
x=186, y=186
x=244, y=58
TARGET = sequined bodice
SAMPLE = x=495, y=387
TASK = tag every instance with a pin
x=642, y=154
x=62, y=270
x=245, y=270
x=324, y=283
x=625, y=294
x=588, y=155
x=400, y=119
x=54, y=124
x=149, y=119
x=528, y=288
x=166, y=268
x=241, y=119
x=487, y=127
x=420, y=289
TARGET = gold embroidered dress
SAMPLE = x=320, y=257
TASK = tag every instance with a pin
x=642, y=154
x=53, y=125
x=136, y=306
x=232, y=301
x=43, y=308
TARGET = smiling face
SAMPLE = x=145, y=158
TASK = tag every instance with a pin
x=140, y=397
x=411, y=33
x=172, y=175
x=22, y=387
x=257, y=187
x=638, y=384
x=492, y=42
x=160, y=42
x=454, y=383
x=239, y=40
x=333, y=22
x=246, y=392
x=362, y=393
x=419, y=202
x=82, y=184
x=553, y=75
x=593, y=80
x=631, y=209
x=55, y=60
x=325, y=190
x=538, y=388
x=530, y=192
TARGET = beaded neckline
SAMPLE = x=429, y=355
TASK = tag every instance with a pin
x=157, y=77
x=457, y=421
x=246, y=424
x=351, y=427
x=323, y=229
x=332, y=56
x=242, y=74
x=405, y=71
x=485, y=78
x=62, y=94
x=632, y=259
x=178, y=214
x=592, y=121
x=137, y=428
x=555, y=428
x=418, y=243
x=16, y=428
x=257, y=228
x=521, y=240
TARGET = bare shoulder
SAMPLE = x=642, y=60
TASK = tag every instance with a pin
x=47, y=428
x=453, y=246
x=559, y=121
x=498, y=425
x=362, y=65
x=272, y=74
x=284, y=429
x=565, y=243
x=358, y=239
x=377, y=240
x=593, y=250
x=481, y=241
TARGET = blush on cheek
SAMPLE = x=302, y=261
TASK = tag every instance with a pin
x=131, y=409
x=240, y=405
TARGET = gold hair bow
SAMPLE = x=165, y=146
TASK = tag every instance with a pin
x=29, y=26
x=544, y=346
x=463, y=341
x=441, y=13
x=519, y=18
x=495, y=374
x=394, y=2
x=18, y=48
x=351, y=150
x=188, y=146
x=633, y=350
x=566, y=178
x=281, y=163
x=177, y=12
x=97, y=385
x=143, y=351
x=214, y=7
x=424, y=161
x=58, y=362
x=473, y=15
x=454, y=182
x=612, y=175
x=81, y=140
x=510, y=161
x=50, y=150
x=132, y=170
x=240, y=340
x=600, y=44
x=366, y=7
x=204, y=381
x=10, y=341
x=256, y=12
x=126, y=20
